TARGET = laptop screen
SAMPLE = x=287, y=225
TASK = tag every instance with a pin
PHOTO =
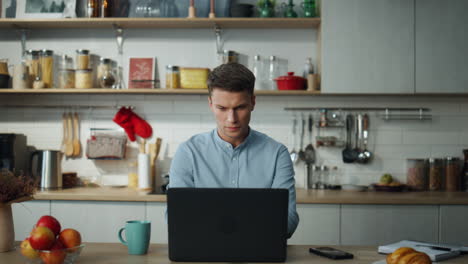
x=224, y=224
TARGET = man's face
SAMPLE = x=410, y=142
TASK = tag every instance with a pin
x=232, y=112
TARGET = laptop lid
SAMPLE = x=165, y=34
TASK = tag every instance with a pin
x=227, y=225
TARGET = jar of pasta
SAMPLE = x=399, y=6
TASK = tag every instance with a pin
x=47, y=67
x=436, y=170
x=452, y=174
x=32, y=61
x=82, y=59
x=416, y=174
x=84, y=79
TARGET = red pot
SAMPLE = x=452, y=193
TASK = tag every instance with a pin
x=290, y=82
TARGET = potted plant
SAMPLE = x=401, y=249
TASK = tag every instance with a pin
x=13, y=189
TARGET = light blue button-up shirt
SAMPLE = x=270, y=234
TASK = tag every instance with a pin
x=207, y=161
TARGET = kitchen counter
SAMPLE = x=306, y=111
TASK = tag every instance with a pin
x=303, y=196
x=116, y=253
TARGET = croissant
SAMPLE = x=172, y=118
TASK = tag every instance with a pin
x=406, y=255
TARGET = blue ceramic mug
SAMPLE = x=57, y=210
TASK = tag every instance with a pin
x=138, y=236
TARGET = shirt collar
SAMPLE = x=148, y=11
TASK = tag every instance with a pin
x=224, y=144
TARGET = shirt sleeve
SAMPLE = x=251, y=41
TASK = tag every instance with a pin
x=181, y=171
x=284, y=178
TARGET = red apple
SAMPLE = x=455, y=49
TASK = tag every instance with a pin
x=55, y=255
x=41, y=238
x=27, y=250
x=50, y=222
x=70, y=238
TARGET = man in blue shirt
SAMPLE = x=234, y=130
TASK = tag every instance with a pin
x=233, y=155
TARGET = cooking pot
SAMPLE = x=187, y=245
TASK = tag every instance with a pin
x=46, y=166
x=290, y=82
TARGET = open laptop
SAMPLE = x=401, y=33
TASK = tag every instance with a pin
x=227, y=225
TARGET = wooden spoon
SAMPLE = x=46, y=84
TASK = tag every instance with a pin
x=69, y=143
x=64, y=133
x=76, y=136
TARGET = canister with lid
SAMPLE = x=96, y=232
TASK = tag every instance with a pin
x=32, y=61
x=452, y=174
x=436, y=170
x=416, y=174
x=47, y=67
x=105, y=74
x=82, y=59
x=83, y=79
x=172, y=77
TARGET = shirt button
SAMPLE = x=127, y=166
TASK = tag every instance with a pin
x=233, y=182
x=227, y=145
x=233, y=158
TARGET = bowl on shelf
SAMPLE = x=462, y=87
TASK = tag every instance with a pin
x=65, y=256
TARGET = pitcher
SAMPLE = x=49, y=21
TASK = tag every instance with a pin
x=46, y=165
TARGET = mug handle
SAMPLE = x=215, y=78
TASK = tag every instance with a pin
x=120, y=236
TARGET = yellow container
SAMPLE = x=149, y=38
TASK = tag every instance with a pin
x=194, y=78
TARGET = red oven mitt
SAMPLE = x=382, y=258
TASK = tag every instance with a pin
x=132, y=124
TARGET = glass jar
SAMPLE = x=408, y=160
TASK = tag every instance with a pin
x=436, y=170
x=172, y=77
x=66, y=78
x=47, y=67
x=230, y=56
x=105, y=73
x=32, y=61
x=452, y=174
x=465, y=171
x=83, y=79
x=416, y=174
x=92, y=8
x=82, y=59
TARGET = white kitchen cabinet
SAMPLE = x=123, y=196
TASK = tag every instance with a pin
x=25, y=216
x=97, y=221
x=156, y=213
x=453, y=224
x=368, y=46
x=318, y=225
x=382, y=224
x=441, y=46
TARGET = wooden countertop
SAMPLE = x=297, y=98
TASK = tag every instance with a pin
x=303, y=196
x=114, y=253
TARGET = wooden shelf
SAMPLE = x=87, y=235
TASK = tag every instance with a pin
x=141, y=91
x=160, y=23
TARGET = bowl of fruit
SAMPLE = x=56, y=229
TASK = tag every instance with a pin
x=48, y=244
x=388, y=184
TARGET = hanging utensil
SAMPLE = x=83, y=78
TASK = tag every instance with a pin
x=293, y=152
x=69, y=144
x=360, y=158
x=76, y=136
x=309, y=154
x=301, y=154
x=63, y=146
x=365, y=156
x=349, y=154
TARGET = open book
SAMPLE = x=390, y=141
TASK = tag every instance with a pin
x=436, y=252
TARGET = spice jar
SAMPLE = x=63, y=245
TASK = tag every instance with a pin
x=32, y=61
x=172, y=77
x=82, y=59
x=83, y=79
x=47, y=66
x=452, y=174
x=436, y=170
x=230, y=56
x=416, y=176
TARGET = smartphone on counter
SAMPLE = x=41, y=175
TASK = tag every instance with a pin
x=331, y=253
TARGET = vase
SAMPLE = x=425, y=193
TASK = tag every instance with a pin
x=7, y=230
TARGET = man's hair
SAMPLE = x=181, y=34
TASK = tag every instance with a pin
x=231, y=77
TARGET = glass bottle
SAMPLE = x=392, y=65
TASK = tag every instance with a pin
x=106, y=8
x=257, y=70
x=272, y=73
x=169, y=9
x=309, y=8
x=148, y=8
x=289, y=9
x=32, y=61
x=308, y=68
x=92, y=9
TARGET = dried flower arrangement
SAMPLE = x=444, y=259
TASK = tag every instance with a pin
x=14, y=189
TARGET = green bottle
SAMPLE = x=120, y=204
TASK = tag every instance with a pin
x=267, y=10
x=289, y=10
x=309, y=8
